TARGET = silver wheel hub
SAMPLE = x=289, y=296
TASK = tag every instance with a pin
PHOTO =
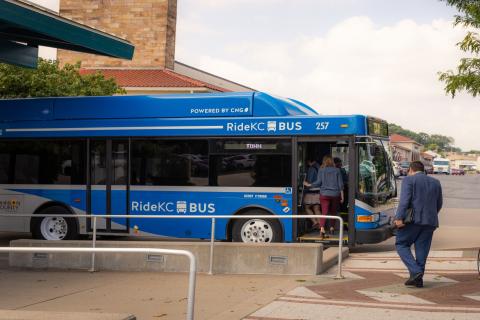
x=257, y=230
x=54, y=228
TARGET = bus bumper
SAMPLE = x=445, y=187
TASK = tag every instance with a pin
x=367, y=236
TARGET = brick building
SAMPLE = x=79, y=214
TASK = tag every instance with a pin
x=459, y=160
x=151, y=26
x=404, y=148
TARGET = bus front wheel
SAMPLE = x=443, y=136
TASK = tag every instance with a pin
x=54, y=228
x=257, y=230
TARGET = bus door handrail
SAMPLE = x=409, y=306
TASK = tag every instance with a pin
x=213, y=218
x=191, y=257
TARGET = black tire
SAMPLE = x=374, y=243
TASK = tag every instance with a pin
x=272, y=224
x=71, y=223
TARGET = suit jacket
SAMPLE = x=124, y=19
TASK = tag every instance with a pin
x=424, y=194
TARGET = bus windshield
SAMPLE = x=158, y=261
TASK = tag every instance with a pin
x=441, y=163
x=376, y=182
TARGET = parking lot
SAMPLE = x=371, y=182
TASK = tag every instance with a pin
x=461, y=191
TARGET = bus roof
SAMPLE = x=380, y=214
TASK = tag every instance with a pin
x=214, y=114
x=233, y=104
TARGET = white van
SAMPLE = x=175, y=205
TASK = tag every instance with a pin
x=441, y=165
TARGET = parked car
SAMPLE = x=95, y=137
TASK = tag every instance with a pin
x=457, y=172
x=243, y=161
x=404, y=166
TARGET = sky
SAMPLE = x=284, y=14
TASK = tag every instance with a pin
x=54, y=5
x=373, y=57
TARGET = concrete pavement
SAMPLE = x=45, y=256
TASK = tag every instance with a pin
x=40, y=315
x=146, y=295
x=374, y=289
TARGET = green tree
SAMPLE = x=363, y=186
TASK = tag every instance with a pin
x=467, y=75
x=423, y=138
x=394, y=128
x=435, y=142
x=50, y=80
x=431, y=146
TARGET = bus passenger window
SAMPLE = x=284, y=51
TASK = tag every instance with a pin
x=170, y=162
x=119, y=159
x=4, y=167
x=27, y=169
x=252, y=163
x=249, y=170
x=98, y=166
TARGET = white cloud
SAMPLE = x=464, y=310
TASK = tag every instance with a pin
x=359, y=67
x=230, y=3
x=47, y=53
x=49, y=4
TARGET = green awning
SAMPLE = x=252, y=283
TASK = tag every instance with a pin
x=25, y=26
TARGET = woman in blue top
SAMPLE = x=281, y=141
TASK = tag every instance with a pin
x=329, y=180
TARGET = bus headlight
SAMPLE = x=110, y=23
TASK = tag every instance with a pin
x=368, y=218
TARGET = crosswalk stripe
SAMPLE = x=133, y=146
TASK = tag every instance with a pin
x=421, y=307
x=393, y=297
x=304, y=292
x=396, y=270
x=473, y=296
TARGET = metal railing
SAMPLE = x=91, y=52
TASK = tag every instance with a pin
x=188, y=254
x=213, y=218
x=478, y=263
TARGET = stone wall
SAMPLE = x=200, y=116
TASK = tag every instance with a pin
x=150, y=25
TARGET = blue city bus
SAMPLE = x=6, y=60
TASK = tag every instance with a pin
x=203, y=154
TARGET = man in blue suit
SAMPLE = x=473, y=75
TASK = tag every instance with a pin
x=424, y=195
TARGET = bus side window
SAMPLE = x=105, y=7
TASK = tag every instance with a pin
x=42, y=162
x=4, y=167
x=170, y=162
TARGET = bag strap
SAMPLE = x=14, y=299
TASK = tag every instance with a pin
x=413, y=194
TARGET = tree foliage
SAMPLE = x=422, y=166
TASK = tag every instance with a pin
x=435, y=142
x=467, y=75
x=51, y=80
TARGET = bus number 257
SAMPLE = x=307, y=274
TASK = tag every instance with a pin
x=322, y=125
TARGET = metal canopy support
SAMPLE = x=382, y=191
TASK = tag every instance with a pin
x=29, y=24
x=18, y=54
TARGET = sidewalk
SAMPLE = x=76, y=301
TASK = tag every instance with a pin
x=374, y=289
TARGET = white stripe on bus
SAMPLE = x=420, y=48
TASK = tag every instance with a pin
x=43, y=186
x=209, y=189
x=146, y=188
x=112, y=128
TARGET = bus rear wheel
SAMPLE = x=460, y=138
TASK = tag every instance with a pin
x=257, y=230
x=54, y=228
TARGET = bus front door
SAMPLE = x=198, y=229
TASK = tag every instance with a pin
x=108, y=191
x=309, y=151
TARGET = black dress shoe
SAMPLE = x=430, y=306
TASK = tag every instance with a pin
x=415, y=281
x=419, y=283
